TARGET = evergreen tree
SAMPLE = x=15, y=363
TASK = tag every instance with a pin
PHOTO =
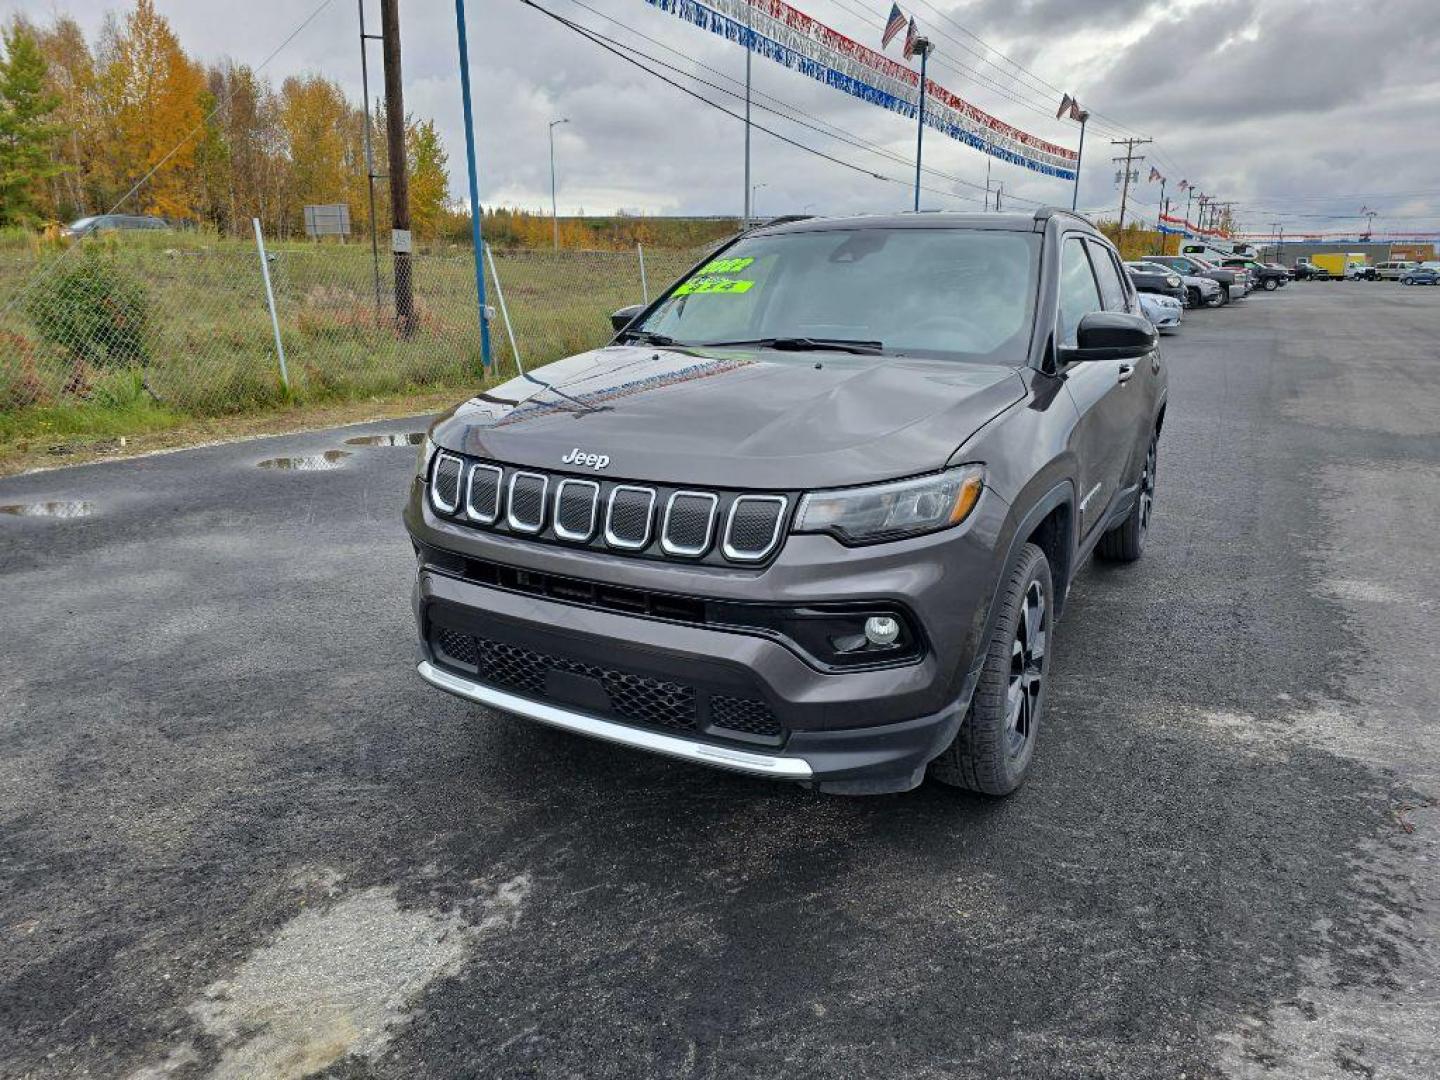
x=26, y=130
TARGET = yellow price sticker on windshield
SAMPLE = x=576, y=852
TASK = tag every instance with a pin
x=725, y=266
x=697, y=286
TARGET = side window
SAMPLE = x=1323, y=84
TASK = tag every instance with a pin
x=1078, y=293
x=1112, y=289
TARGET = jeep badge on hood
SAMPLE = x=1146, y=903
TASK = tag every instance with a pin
x=589, y=461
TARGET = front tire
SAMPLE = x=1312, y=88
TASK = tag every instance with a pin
x=1126, y=542
x=992, y=751
x=1271, y=285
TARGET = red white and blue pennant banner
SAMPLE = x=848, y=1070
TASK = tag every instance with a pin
x=789, y=37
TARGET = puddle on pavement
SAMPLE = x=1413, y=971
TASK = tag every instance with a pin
x=49, y=509
x=330, y=459
x=412, y=438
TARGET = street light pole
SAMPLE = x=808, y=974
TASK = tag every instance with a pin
x=923, y=47
x=1079, y=155
x=554, y=213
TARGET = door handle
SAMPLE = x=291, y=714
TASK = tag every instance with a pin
x=1126, y=370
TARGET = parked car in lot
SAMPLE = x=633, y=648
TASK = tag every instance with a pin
x=1231, y=287
x=1305, y=270
x=1394, y=270
x=814, y=512
x=1199, y=291
x=1421, y=275
x=1156, y=279
x=1164, y=312
x=102, y=223
x=1266, y=277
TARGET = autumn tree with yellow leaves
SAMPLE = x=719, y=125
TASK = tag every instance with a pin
x=213, y=146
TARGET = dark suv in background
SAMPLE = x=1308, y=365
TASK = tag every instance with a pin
x=814, y=513
x=1232, y=288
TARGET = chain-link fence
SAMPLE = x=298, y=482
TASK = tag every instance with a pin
x=188, y=325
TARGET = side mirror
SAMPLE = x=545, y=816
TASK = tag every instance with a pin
x=625, y=316
x=1110, y=335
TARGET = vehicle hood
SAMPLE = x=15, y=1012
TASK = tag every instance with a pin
x=735, y=418
x=1197, y=281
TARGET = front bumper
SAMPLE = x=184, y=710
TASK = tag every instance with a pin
x=853, y=731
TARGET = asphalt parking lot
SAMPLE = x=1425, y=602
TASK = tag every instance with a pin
x=239, y=838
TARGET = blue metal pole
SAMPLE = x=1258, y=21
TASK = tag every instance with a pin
x=474, y=184
x=920, y=127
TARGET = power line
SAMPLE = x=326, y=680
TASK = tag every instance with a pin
x=1043, y=85
x=785, y=110
x=1011, y=93
x=615, y=47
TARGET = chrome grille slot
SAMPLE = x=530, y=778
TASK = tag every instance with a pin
x=445, y=483
x=628, y=517
x=482, y=499
x=689, y=522
x=752, y=528
x=526, y=512
x=576, y=504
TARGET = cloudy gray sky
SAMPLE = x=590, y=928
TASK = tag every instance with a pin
x=1299, y=110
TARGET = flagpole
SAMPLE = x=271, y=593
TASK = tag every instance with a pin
x=749, y=48
x=1189, y=197
x=1160, y=221
x=922, y=46
x=1079, y=154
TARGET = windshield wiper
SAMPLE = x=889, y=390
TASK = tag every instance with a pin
x=649, y=337
x=810, y=344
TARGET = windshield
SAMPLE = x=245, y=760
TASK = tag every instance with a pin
x=956, y=294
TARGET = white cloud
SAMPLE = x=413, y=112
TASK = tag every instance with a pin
x=1303, y=96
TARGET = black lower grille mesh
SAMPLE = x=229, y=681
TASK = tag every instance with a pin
x=636, y=698
x=743, y=714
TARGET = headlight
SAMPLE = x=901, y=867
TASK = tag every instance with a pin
x=1173, y=281
x=422, y=461
x=868, y=515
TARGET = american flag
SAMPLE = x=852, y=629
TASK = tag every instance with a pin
x=1065, y=105
x=1184, y=185
x=1155, y=174
x=911, y=34
x=893, y=25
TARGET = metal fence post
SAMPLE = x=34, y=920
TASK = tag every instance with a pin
x=270, y=299
x=504, y=311
x=644, y=285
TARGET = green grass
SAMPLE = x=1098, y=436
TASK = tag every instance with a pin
x=210, y=341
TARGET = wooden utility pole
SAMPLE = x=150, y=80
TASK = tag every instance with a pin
x=1129, y=157
x=400, y=240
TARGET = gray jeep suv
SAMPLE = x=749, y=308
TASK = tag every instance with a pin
x=814, y=513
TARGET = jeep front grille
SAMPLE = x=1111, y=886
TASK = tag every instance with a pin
x=527, y=501
x=628, y=517
x=689, y=521
x=652, y=520
x=576, y=505
x=445, y=491
x=753, y=527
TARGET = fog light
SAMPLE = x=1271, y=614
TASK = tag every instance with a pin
x=882, y=630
